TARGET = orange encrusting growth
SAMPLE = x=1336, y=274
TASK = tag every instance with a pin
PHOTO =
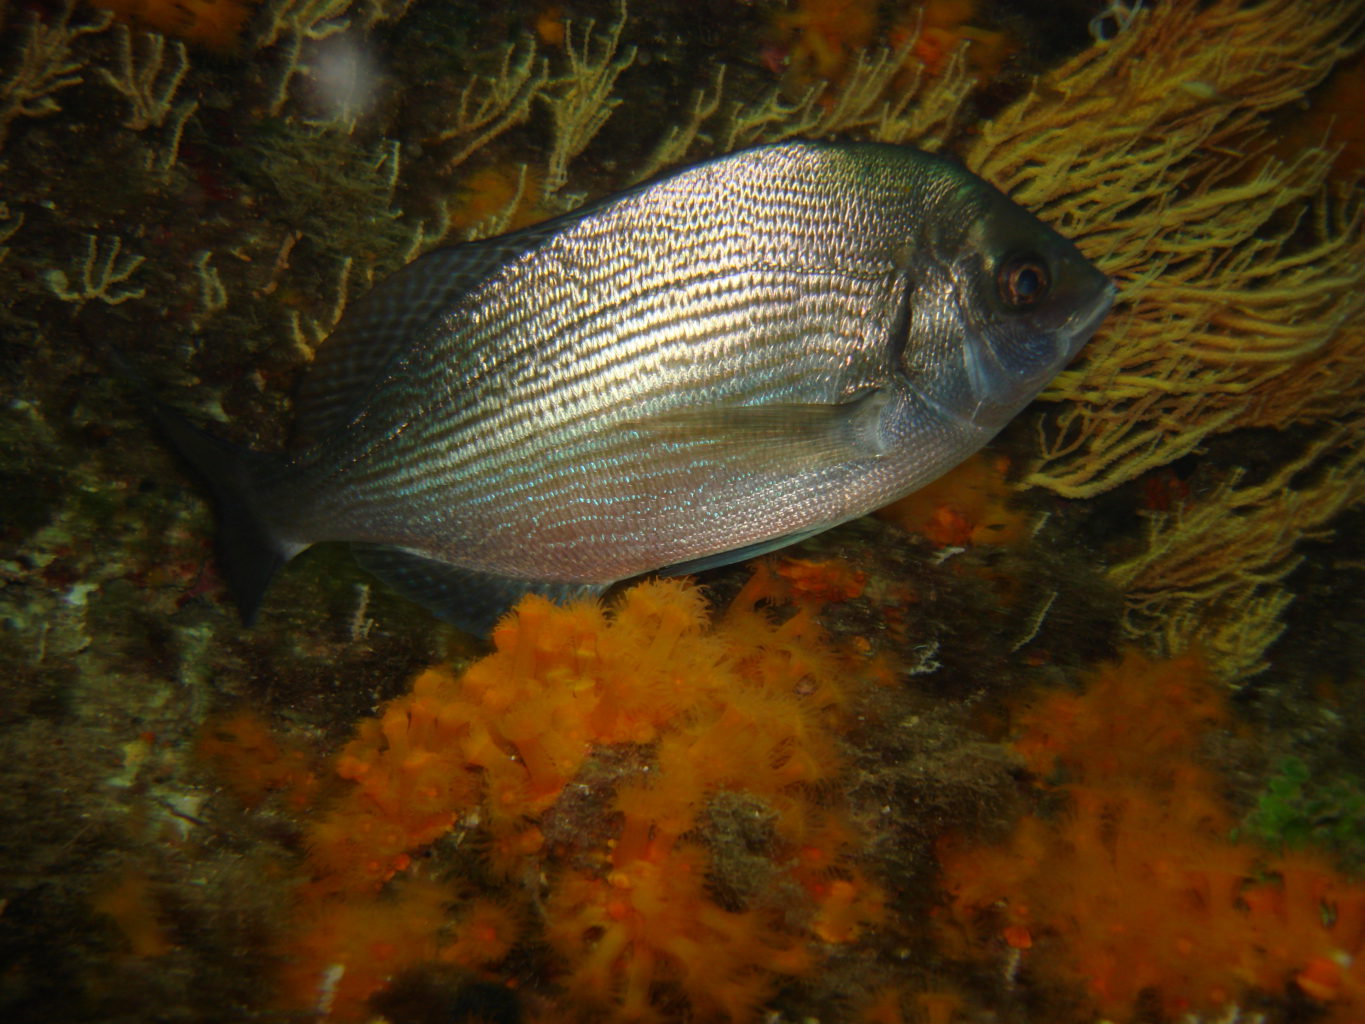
x=821, y=39
x=1135, y=888
x=820, y=36
x=743, y=706
x=253, y=763
x=1331, y=122
x=971, y=505
x=216, y=24
x=127, y=900
x=944, y=27
x=486, y=194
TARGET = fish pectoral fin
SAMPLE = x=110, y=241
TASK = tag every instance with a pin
x=780, y=437
x=467, y=598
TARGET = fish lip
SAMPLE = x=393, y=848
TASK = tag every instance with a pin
x=1084, y=329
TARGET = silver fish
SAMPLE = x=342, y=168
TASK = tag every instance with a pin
x=715, y=364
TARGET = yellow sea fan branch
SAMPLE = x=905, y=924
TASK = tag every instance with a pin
x=1212, y=573
x=1233, y=265
x=581, y=100
x=44, y=67
x=144, y=78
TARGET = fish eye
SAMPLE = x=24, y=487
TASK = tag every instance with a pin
x=1023, y=281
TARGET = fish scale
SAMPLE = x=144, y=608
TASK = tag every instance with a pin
x=713, y=364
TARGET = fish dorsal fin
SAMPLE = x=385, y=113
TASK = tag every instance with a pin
x=390, y=317
x=467, y=598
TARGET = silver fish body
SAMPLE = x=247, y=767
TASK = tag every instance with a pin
x=735, y=356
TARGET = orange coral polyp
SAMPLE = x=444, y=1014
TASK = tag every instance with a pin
x=253, y=762
x=651, y=920
x=484, y=934
x=846, y=908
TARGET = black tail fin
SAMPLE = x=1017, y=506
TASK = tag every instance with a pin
x=247, y=552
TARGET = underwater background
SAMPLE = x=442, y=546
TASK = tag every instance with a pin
x=1074, y=734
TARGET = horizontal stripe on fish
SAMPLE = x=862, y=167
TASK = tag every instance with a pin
x=638, y=355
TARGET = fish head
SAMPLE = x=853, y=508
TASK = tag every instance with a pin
x=1002, y=303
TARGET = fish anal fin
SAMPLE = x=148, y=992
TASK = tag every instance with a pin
x=740, y=554
x=467, y=598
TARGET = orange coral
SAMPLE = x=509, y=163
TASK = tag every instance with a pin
x=822, y=582
x=548, y=24
x=216, y=24
x=649, y=922
x=128, y=901
x=884, y=1007
x=253, y=763
x=341, y=952
x=939, y=1006
x=821, y=35
x=1135, y=888
x=487, y=193
x=1331, y=120
x=970, y=505
x=755, y=721
x=744, y=706
x=944, y=26
x=819, y=38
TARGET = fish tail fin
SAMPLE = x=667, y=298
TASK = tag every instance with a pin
x=247, y=551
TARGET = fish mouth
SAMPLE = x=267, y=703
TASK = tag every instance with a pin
x=1085, y=324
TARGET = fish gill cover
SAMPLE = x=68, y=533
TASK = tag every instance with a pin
x=1192, y=482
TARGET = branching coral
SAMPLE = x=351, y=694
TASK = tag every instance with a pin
x=582, y=99
x=145, y=81
x=1134, y=890
x=1242, y=275
x=887, y=96
x=1236, y=269
x=100, y=278
x=44, y=66
x=291, y=24
x=490, y=105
